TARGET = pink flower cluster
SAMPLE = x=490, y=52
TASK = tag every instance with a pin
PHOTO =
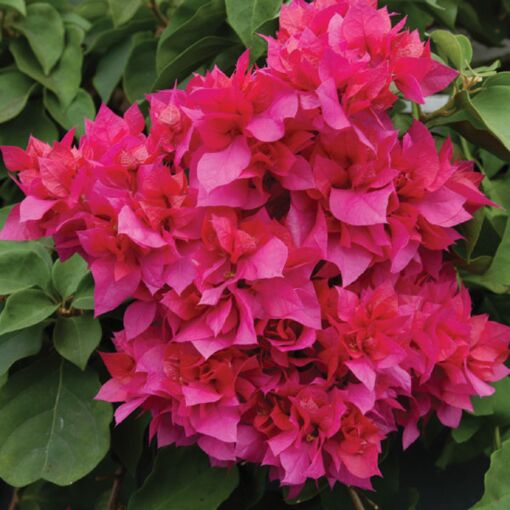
x=282, y=249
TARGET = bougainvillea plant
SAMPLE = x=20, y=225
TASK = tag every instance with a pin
x=281, y=250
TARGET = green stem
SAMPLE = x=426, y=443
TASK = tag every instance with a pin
x=497, y=437
x=356, y=500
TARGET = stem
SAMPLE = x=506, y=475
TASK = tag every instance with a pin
x=14, y=501
x=356, y=500
x=497, y=437
x=113, y=500
x=416, y=111
x=157, y=12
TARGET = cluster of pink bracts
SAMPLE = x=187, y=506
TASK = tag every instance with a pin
x=283, y=247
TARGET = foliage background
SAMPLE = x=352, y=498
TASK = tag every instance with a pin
x=59, y=60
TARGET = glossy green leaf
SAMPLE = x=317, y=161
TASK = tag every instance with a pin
x=123, y=10
x=67, y=275
x=140, y=71
x=190, y=59
x=15, y=89
x=111, y=68
x=24, y=309
x=497, y=484
x=76, y=338
x=21, y=267
x=17, y=5
x=31, y=121
x=183, y=479
x=44, y=29
x=18, y=345
x=50, y=425
x=65, y=79
x=247, y=16
x=188, y=25
x=72, y=116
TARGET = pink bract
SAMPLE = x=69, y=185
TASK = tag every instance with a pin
x=282, y=248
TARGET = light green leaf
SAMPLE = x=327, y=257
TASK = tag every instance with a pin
x=44, y=29
x=247, y=16
x=197, y=54
x=50, y=425
x=123, y=10
x=192, y=21
x=68, y=275
x=24, y=309
x=21, y=267
x=75, y=338
x=18, y=345
x=65, y=79
x=17, y=5
x=452, y=48
x=140, y=71
x=497, y=484
x=31, y=121
x=15, y=89
x=183, y=479
x=82, y=107
x=84, y=296
x=110, y=69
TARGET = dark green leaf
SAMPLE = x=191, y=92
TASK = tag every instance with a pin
x=247, y=16
x=72, y=116
x=68, y=275
x=44, y=29
x=32, y=121
x=140, y=71
x=497, y=485
x=50, y=425
x=21, y=267
x=110, y=69
x=84, y=296
x=467, y=428
x=190, y=59
x=123, y=10
x=24, y=309
x=183, y=479
x=188, y=26
x=18, y=345
x=75, y=338
x=65, y=79
x=15, y=89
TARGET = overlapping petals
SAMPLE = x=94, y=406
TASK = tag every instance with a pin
x=281, y=248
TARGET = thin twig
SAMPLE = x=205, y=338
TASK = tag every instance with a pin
x=14, y=500
x=113, y=500
x=356, y=500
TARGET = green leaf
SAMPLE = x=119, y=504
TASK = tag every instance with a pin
x=44, y=29
x=140, y=71
x=468, y=427
x=497, y=485
x=197, y=54
x=65, y=79
x=68, y=275
x=452, y=48
x=18, y=345
x=21, y=267
x=75, y=338
x=15, y=89
x=50, y=425
x=123, y=10
x=82, y=107
x=247, y=16
x=32, y=121
x=25, y=308
x=191, y=22
x=17, y=5
x=128, y=441
x=84, y=296
x=182, y=479
x=110, y=69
